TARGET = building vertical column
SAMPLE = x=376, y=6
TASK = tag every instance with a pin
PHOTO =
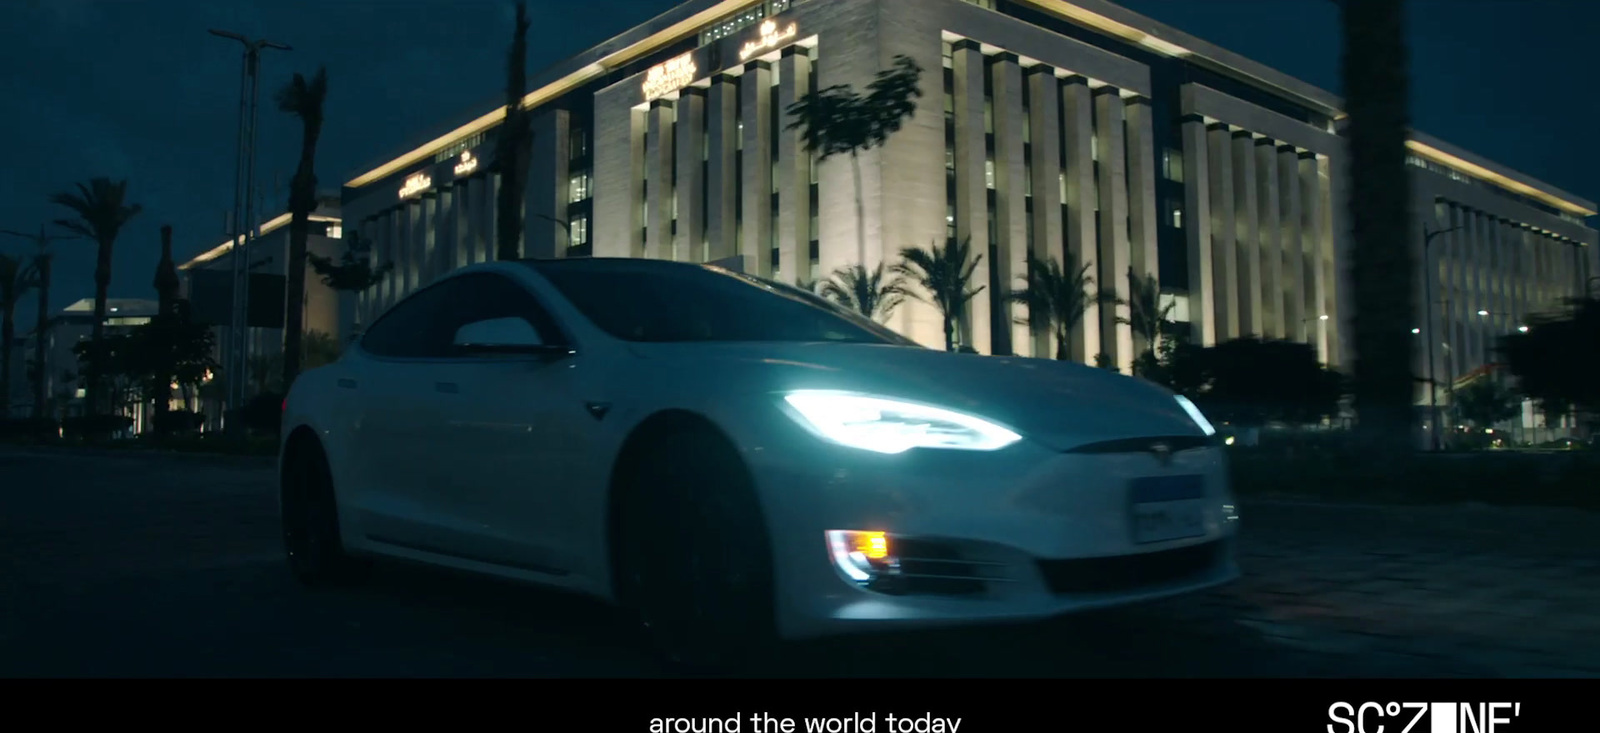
x=1010, y=187
x=794, y=171
x=491, y=213
x=422, y=252
x=1115, y=256
x=755, y=241
x=658, y=175
x=614, y=206
x=972, y=192
x=1246, y=214
x=444, y=231
x=689, y=185
x=382, y=246
x=1294, y=310
x=1044, y=122
x=722, y=130
x=1270, y=240
x=1513, y=252
x=1316, y=289
x=1077, y=122
x=404, y=243
x=1197, y=230
x=1224, y=248
x=1474, y=290
x=1498, y=277
x=478, y=193
x=1456, y=302
x=460, y=223
x=1142, y=192
x=549, y=183
x=1333, y=259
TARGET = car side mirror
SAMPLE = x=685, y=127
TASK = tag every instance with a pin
x=502, y=336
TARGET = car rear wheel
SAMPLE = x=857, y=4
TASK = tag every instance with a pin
x=311, y=538
x=696, y=562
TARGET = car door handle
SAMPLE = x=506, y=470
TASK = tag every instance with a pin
x=347, y=383
x=446, y=387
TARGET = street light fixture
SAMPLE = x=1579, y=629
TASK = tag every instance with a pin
x=243, y=231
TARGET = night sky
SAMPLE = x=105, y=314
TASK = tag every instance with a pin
x=138, y=89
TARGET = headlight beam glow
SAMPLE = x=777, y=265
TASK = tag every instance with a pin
x=1194, y=413
x=891, y=426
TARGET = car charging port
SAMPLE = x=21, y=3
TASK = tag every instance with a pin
x=865, y=557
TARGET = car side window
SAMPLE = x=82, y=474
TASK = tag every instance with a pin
x=416, y=327
x=488, y=296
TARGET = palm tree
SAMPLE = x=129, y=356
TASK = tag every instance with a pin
x=865, y=292
x=837, y=120
x=808, y=285
x=945, y=274
x=1056, y=299
x=513, y=145
x=16, y=279
x=1149, y=320
x=41, y=262
x=101, y=210
x=166, y=284
x=302, y=98
x=1382, y=270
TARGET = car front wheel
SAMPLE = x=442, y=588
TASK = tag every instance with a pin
x=311, y=538
x=695, y=557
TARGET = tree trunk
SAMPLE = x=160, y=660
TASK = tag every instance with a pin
x=949, y=333
x=1375, y=82
x=97, y=335
x=861, y=213
x=302, y=201
x=8, y=331
x=42, y=324
x=1061, y=345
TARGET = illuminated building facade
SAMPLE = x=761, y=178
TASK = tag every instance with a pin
x=1075, y=130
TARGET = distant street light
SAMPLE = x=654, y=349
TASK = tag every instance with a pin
x=243, y=230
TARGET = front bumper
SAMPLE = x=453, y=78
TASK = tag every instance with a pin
x=1018, y=534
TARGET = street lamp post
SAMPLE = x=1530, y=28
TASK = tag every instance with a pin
x=41, y=357
x=244, y=229
x=1427, y=286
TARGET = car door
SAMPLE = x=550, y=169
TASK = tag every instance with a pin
x=388, y=393
x=512, y=424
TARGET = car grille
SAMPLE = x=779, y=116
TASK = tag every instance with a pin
x=928, y=567
x=1127, y=572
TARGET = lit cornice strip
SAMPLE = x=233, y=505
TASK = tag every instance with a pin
x=272, y=224
x=555, y=89
x=1477, y=171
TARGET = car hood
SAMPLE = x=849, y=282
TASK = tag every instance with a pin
x=1059, y=404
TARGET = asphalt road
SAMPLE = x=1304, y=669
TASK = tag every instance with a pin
x=123, y=565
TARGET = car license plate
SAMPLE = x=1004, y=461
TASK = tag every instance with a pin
x=1165, y=508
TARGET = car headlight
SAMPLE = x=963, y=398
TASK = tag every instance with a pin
x=892, y=426
x=1194, y=412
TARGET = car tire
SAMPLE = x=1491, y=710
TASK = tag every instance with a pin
x=696, y=559
x=312, y=542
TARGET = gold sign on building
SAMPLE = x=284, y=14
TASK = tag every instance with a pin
x=467, y=165
x=771, y=37
x=416, y=184
x=668, y=76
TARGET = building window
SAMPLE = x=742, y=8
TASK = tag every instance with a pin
x=580, y=231
x=578, y=188
x=1172, y=165
x=578, y=143
x=1174, y=214
x=988, y=115
x=1094, y=148
x=988, y=172
x=335, y=231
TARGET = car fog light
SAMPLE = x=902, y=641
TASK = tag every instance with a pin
x=862, y=556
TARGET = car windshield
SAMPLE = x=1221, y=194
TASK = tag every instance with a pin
x=651, y=300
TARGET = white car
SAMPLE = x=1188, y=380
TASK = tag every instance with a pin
x=740, y=461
